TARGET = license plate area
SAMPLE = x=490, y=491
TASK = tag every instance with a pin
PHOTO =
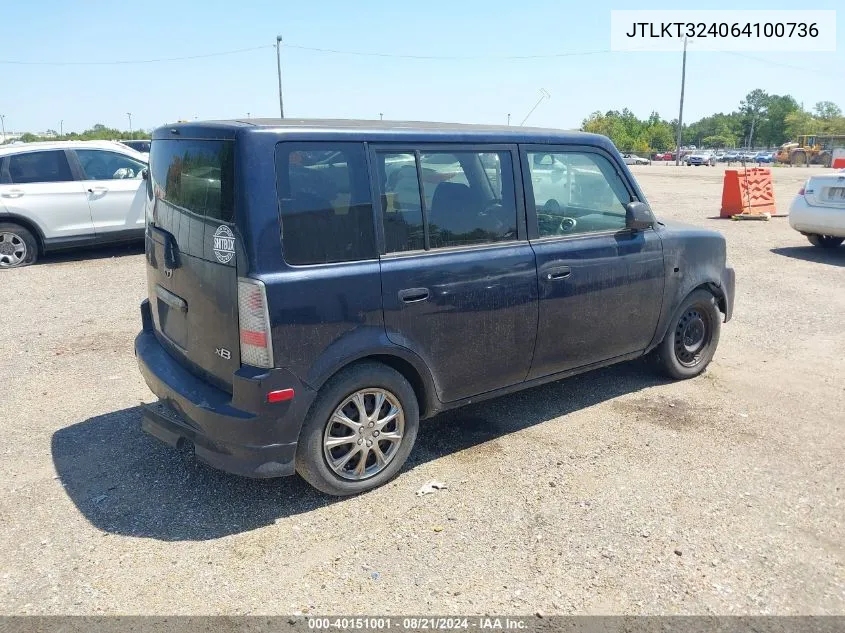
x=836, y=194
x=173, y=324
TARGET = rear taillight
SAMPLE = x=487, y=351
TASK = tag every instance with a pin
x=803, y=188
x=254, y=322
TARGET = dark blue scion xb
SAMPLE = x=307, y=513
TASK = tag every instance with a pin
x=318, y=287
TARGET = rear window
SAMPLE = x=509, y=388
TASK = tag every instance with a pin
x=138, y=146
x=324, y=201
x=195, y=176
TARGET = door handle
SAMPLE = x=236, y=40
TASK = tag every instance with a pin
x=12, y=193
x=97, y=189
x=174, y=301
x=412, y=295
x=559, y=272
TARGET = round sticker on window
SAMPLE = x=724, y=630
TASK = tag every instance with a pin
x=224, y=244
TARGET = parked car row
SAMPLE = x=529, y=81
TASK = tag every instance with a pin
x=746, y=156
x=703, y=157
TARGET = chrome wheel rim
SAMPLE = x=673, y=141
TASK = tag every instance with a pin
x=363, y=434
x=692, y=336
x=12, y=249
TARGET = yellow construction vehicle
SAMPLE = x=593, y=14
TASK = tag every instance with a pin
x=810, y=149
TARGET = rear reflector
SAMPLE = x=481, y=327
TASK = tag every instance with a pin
x=280, y=395
x=254, y=323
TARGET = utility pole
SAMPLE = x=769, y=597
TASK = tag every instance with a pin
x=3, y=125
x=129, y=114
x=509, y=118
x=247, y=115
x=62, y=127
x=381, y=116
x=279, y=70
x=681, y=112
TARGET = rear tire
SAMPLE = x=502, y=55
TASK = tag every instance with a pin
x=18, y=247
x=362, y=455
x=692, y=337
x=825, y=241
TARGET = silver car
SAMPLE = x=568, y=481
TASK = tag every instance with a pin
x=633, y=159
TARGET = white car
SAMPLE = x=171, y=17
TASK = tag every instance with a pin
x=633, y=159
x=818, y=211
x=700, y=158
x=64, y=194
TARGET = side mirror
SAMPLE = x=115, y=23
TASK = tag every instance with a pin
x=145, y=174
x=638, y=216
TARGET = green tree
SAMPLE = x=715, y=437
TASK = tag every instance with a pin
x=827, y=110
x=772, y=130
x=754, y=109
x=799, y=122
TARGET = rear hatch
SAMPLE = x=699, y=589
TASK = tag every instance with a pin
x=191, y=255
x=826, y=190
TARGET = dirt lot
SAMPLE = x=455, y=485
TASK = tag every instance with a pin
x=613, y=492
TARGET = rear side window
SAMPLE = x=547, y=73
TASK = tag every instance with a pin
x=467, y=198
x=32, y=167
x=195, y=176
x=324, y=201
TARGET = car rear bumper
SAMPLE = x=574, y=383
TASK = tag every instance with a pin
x=810, y=219
x=239, y=432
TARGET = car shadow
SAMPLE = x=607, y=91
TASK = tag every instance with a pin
x=829, y=256
x=125, y=482
x=135, y=247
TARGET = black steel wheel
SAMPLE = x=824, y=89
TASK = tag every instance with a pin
x=692, y=337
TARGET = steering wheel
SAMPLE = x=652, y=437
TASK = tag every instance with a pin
x=552, y=207
x=492, y=217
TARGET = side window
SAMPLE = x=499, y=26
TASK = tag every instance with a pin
x=576, y=192
x=102, y=165
x=468, y=197
x=324, y=201
x=468, y=203
x=32, y=167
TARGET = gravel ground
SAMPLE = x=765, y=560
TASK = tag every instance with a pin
x=612, y=492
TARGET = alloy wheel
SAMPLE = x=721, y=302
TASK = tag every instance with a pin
x=364, y=433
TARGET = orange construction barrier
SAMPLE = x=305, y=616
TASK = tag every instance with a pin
x=748, y=191
x=838, y=158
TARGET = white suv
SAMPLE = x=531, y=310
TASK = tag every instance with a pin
x=65, y=194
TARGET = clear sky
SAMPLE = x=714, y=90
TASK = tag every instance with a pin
x=483, y=89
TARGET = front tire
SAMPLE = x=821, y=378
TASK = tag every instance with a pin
x=825, y=241
x=18, y=247
x=692, y=338
x=360, y=430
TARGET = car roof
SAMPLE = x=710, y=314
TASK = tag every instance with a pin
x=386, y=131
x=6, y=150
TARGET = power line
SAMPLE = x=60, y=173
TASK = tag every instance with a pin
x=782, y=64
x=335, y=51
x=133, y=61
